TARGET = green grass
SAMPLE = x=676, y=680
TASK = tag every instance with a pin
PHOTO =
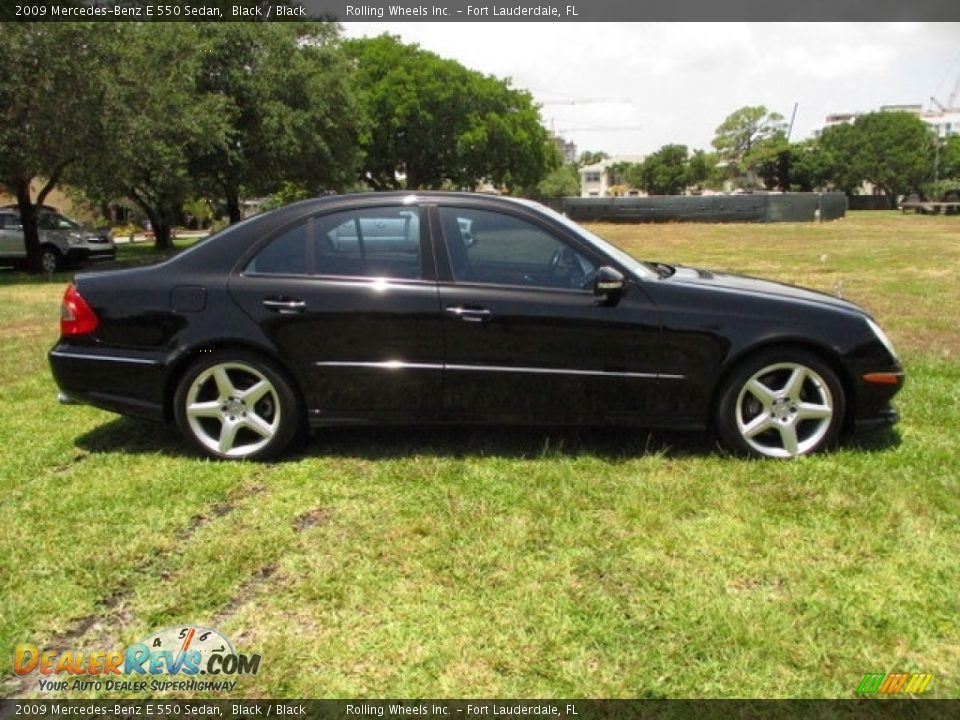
x=478, y=563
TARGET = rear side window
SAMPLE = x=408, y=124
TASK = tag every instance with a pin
x=284, y=255
x=373, y=242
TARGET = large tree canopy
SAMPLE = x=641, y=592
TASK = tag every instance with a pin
x=431, y=123
x=894, y=151
x=294, y=117
x=50, y=109
x=156, y=119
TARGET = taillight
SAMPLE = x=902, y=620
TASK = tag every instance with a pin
x=76, y=317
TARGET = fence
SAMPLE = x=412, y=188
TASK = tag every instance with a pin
x=786, y=207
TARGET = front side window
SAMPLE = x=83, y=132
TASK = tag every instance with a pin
x=493, y=248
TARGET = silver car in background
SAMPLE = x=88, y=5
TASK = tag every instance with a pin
x=63, y=241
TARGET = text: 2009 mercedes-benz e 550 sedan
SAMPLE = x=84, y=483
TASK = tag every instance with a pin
x=460, y=308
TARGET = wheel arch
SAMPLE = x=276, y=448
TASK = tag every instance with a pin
x=823, y=352
x=189, y=357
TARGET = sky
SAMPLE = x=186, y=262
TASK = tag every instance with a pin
x=628, y=89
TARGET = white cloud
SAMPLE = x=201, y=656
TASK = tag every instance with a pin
x=682, y=79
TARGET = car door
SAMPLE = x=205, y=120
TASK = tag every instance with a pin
x=350, y=298
x=11, y=236
x=525, y=337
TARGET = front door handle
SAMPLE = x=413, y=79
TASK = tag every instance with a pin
x=470, y=314
x=285, y=305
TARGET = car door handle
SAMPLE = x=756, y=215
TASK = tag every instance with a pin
x=285, y=305
x=469, y=314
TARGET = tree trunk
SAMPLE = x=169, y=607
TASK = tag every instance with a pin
x=161, y=235
x=232, y=195
x=31, y=233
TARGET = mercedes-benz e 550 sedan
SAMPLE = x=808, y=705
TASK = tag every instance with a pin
x=461, y=308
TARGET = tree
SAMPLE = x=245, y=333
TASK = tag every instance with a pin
x=839, y=158
x=769, y=159
x=665, y=172
x=293, y=116
x=810, y=167
x=431, y=123
x=894, y=151
x=563, y=181
x=950, y=158
x=741, y=133
x=701, y=168
x=156, y=120
x=50, y=110
x=591, y=157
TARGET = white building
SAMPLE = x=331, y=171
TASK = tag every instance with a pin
x=595, y=180
x=944, y=121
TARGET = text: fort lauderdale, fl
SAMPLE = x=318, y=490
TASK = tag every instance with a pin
x=472, y=11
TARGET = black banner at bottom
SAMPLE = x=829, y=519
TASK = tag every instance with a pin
x=172, y=709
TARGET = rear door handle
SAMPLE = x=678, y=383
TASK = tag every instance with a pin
x=285, y=305
x=470, y=314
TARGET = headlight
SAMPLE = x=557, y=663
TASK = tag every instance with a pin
x=75, y=238
x=882, y=337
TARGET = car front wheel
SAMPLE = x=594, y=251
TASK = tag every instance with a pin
x=780, y=404
x=50, y=260
x=236, y=406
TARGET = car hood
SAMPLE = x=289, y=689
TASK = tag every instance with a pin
x=758, y=286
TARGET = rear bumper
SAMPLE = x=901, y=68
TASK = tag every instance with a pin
x=129, y=384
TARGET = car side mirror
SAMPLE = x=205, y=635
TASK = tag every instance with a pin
x=609, y=284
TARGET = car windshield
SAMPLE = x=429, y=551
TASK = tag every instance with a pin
x=64, y=223
x=641, y=269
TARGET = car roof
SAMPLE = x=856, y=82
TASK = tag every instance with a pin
x=16, y=208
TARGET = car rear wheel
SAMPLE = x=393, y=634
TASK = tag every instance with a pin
x=237, y=406
x=50, y=260
x=780, y=404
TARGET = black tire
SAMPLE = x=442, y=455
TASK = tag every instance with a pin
x=50, y=259
x=225, y=412
x=781, y=403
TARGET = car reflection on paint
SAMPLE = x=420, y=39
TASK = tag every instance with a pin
x=462, y=308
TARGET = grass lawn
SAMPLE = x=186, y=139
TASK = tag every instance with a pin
x=479, y=563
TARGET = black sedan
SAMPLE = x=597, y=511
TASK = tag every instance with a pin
x=460, y=308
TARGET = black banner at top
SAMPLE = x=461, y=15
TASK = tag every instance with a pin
x=479, y=10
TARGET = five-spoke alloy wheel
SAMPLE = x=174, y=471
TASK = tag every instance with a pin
x=781, y=404
x=236, y=405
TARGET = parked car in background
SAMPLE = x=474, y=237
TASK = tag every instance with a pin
x=63, y=242
x=461, y=308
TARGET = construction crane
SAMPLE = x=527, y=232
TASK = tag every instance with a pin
x=588, y=101
x=613, y=128
x=951, y=105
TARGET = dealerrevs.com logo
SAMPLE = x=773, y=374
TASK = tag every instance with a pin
x=184, y=653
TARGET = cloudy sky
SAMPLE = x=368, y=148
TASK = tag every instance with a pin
x=630, y=88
